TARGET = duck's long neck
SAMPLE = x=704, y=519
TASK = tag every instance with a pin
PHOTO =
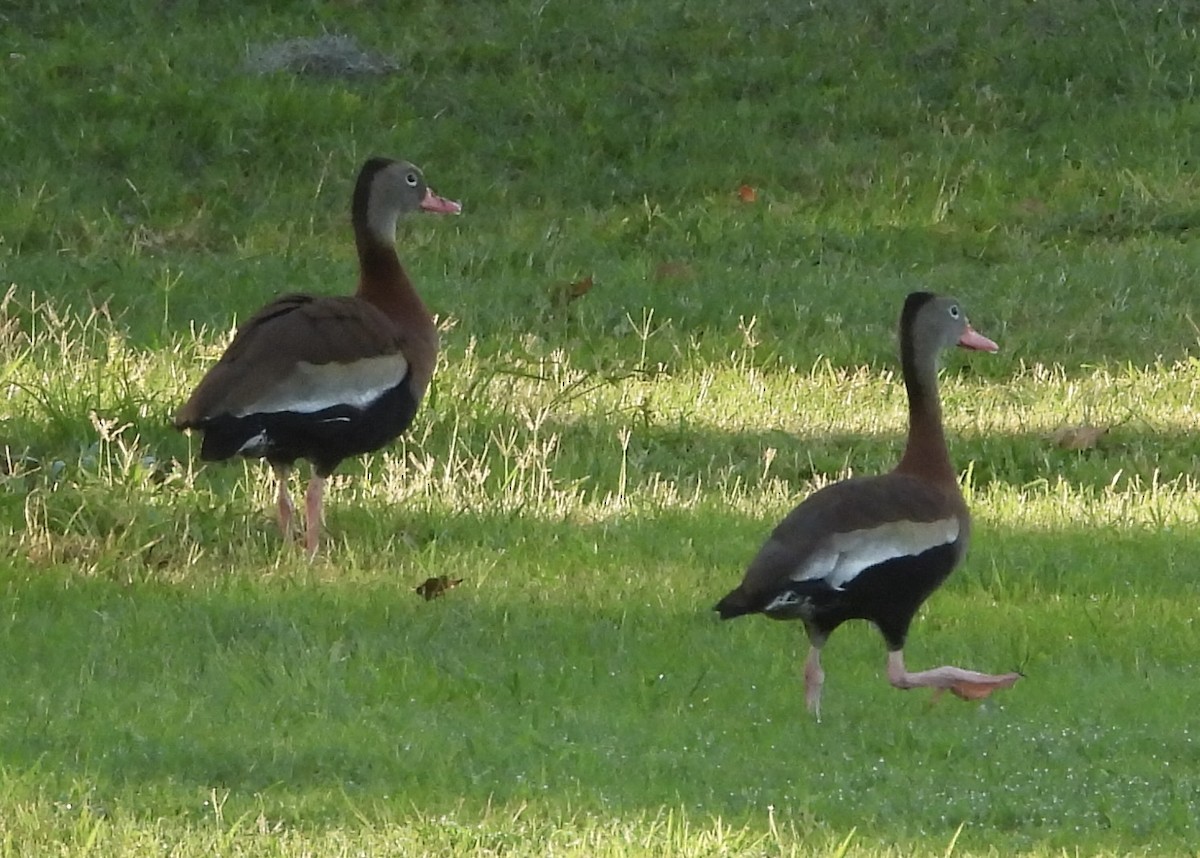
x=925, y=454
x=384, y=282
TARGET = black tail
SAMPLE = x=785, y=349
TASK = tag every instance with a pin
x=734, y=604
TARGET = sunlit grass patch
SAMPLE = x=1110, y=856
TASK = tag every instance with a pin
x=747, y=191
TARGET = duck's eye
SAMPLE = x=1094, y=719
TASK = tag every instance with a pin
x=411, y=178
x=954, y=314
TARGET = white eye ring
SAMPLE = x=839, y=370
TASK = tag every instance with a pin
x=411, y=178
x=954, y=314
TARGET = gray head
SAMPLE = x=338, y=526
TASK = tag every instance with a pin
x=931, y=323
x=387, y=190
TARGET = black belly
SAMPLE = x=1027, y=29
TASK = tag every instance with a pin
x=324, y=437
x=887, y=594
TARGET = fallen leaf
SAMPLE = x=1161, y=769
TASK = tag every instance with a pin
x=431, y=588
x=1079, y=437
x=673, y=271
x=565, y=293
x=747, y=194
x=1032, y=205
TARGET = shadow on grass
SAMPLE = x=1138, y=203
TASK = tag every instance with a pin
x=590, y=456
x=592, y=677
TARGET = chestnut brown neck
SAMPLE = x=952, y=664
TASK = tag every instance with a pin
x=925, y=454
x=384, y=283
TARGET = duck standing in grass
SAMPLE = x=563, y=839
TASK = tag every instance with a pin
x=321, y=377
x=875, y=548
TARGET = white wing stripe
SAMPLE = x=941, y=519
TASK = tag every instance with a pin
x=255, y=444
x=841, y=557
x=315, y=387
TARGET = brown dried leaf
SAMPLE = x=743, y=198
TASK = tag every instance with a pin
x=1032, y=205
x=431, y=588
x=673, y=271
x=565, y=293
x=1079, y=437
x=747, y=194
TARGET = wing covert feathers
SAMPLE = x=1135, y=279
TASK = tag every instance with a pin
x=850, y=526
x=300, y=349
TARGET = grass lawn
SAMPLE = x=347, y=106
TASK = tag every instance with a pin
x=751, y=188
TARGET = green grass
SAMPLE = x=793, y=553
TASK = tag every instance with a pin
x=175, y=680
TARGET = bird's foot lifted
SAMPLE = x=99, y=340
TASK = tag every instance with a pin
x=964, y=684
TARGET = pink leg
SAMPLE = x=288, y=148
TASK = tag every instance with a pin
x=313, y=514
x=967, y=684
x=283, y=501
x=814, y=679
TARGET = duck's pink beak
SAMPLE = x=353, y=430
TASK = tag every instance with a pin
x=972, y=339
x=439, y=205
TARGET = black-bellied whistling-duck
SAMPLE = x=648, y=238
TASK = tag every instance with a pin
x=875, y=548
x=323, y=378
